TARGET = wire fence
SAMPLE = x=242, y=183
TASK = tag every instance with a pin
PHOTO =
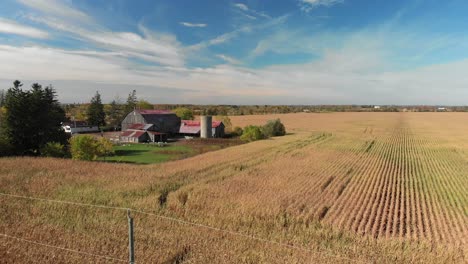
x=267, y=242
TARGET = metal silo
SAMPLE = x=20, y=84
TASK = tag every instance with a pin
x=205, y=127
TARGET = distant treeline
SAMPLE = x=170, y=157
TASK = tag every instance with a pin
x=235, y=110
x=79, y=110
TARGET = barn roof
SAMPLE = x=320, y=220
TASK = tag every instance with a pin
x=132, y=133
x=194, y=127
x=214, y=124
x=184, y=129
x=155, y=133
x=139, y=126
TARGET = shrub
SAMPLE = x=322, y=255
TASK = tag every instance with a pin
x=237, y=131
x=274, y=128
x=85, y=147
x=105, y=147
x=53, y=149
x=252, y=133
x=6, y=148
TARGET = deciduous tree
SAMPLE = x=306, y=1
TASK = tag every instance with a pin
x=143, y=104
x=184, y=113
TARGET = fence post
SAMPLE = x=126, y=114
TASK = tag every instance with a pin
x=131, y=248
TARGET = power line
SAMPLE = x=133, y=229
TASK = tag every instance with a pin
x=65, y=202
x=186, y=223
x=62, y=248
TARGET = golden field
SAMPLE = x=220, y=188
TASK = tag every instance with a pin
x=340, y=187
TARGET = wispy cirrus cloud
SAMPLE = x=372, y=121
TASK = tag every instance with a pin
x=228, y=59
x=57, y=8
x=241, y=6
x=12, y=27
x=249, y=12
x=308, y=5
x=188, y=24
x=223, y=38
x=149, y=46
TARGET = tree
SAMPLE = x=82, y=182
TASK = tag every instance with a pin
x=252, y=133
x=33, y=118
x=86, y=147
x=142, y=104
x=237, y=131
x=95, y=113
x=184, y=113
x=131, y=102
x=226, y=121
x=114, y=113
x=2, y=98
x=274, y=128
x=53, y=149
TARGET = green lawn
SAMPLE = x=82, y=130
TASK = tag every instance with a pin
x=147, y=154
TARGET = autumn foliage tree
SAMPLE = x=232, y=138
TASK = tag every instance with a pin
x=184, y=113
x=86, y=147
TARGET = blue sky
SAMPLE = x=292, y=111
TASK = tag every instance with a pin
x=240, y=52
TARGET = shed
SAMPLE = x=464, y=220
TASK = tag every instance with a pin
x=192, y=128
x=134, y=136
x=161, y=121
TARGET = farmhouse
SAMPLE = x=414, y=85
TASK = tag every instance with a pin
x=193, y=128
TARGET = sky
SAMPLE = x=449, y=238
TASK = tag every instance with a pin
x=240, y=52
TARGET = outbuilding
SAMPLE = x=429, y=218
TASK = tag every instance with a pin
x=134, y=136
x=161, y=121
x=193, y=128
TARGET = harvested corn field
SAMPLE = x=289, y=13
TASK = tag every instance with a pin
x=340, y=187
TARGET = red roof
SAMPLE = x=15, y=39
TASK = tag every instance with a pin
x=214, y=124
x=189, y=129
x=132, y=133
x=154, y=112
x=136, y=126
x=156, y=133
x=139, y=126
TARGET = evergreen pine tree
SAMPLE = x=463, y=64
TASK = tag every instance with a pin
x=95, y=113
x=33, y=118
x=132, y=102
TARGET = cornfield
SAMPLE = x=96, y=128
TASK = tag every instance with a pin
x=341, y=187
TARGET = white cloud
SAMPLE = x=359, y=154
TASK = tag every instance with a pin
x=12, y=27
x=228, y=59
x=187, y=24
x=349, y=75
x=242, y=6
x=154, y=47
x=57, y=8
x=350, y=67
x=47, y=64
x=235, y=33
x=308, y=5
x=249, y=12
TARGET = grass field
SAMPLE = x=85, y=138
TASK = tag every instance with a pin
x=151, y=154
x=148, y=154
x=341, y=187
